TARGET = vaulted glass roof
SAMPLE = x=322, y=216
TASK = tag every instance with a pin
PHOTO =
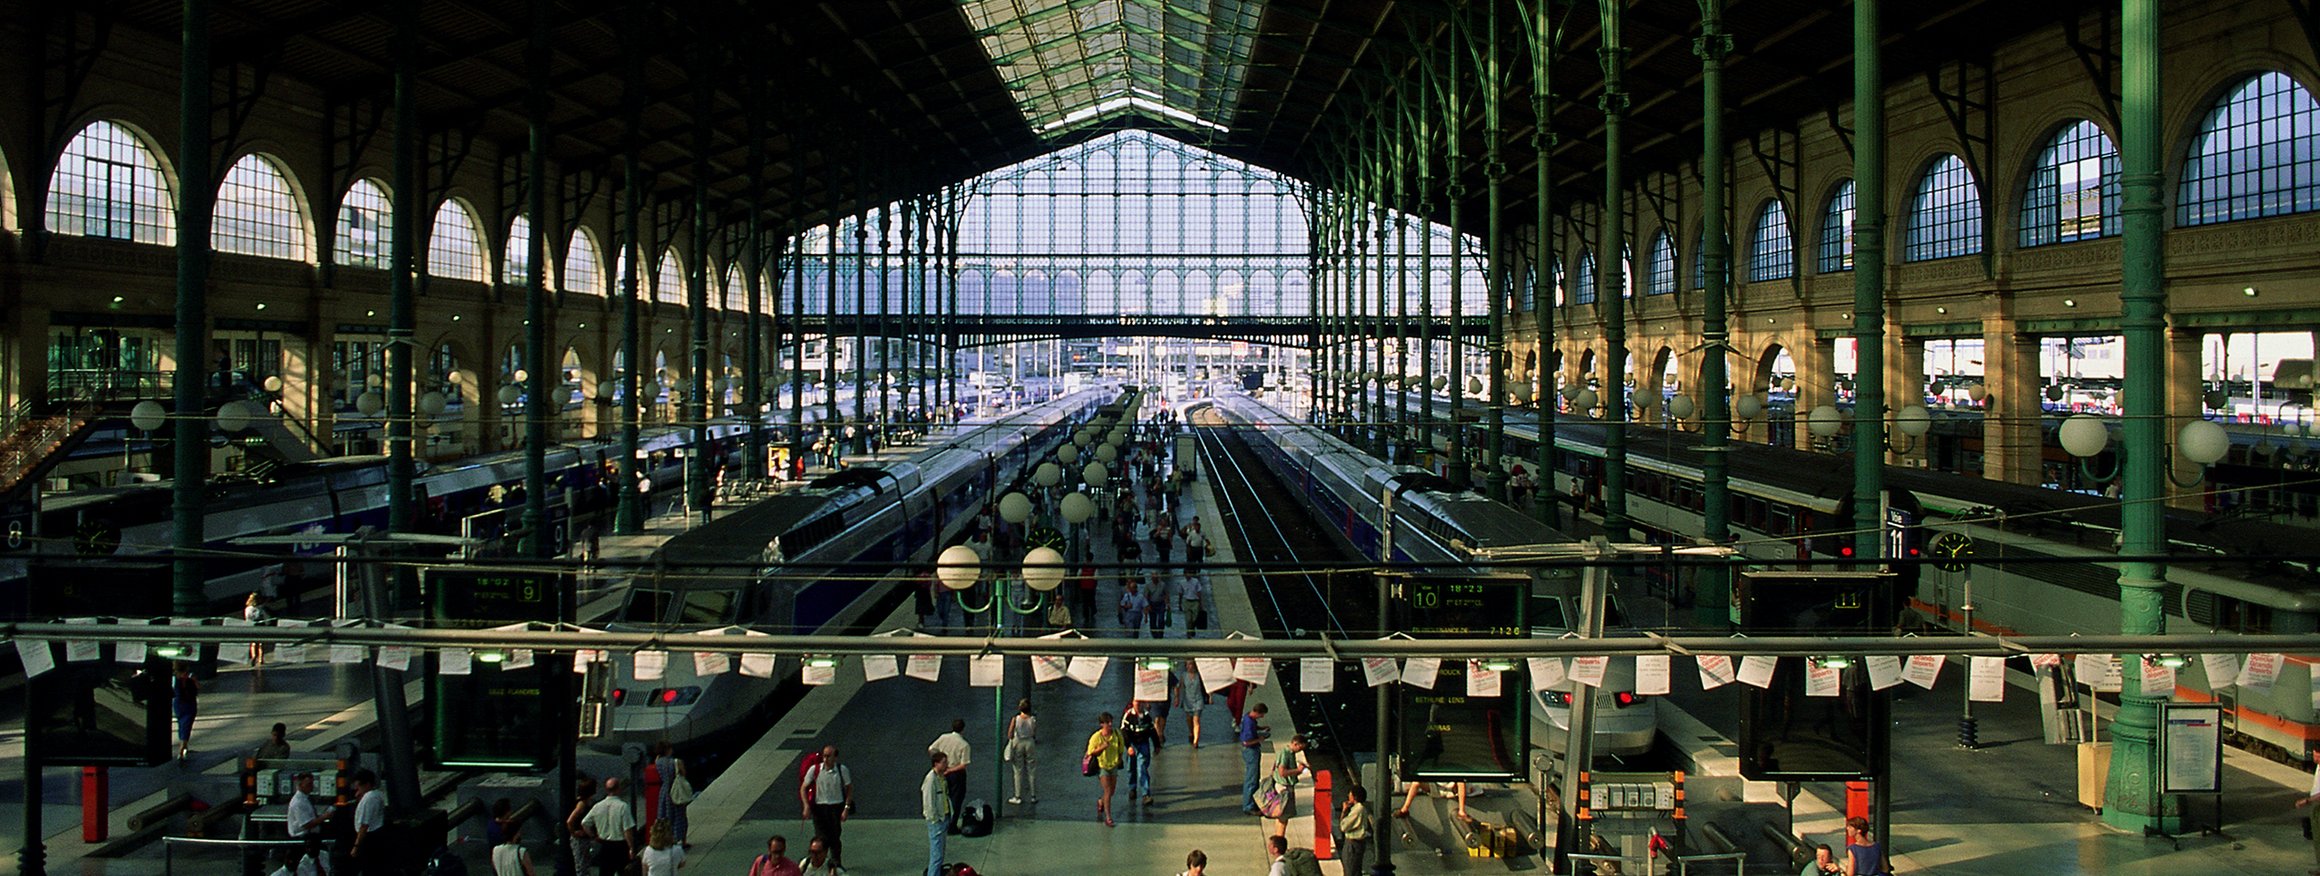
x=1074, y=63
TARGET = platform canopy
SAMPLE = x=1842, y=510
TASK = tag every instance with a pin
x=859, y=102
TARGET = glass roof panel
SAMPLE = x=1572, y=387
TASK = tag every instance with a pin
x=1072, y=63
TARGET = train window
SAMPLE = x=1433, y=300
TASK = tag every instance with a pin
x=1781, y=523
x=646, y=606
x=1547, y=613
x=707, y=607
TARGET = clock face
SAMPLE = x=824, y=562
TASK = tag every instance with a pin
x=1951, y=551
x=1043, y=536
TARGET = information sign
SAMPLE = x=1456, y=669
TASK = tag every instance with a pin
x=1786, y=735
x=101, y=712
x=1448, y=734
x=2191, y=748
x=498, y=717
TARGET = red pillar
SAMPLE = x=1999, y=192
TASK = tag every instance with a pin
x=96, y=791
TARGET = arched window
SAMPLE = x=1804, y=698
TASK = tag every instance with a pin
x=1529, y=303
x=1771, y=248
x=669, y=278
x=2256, y=155
x=1836, y=246
x=516, y=268
x=257, y=213
x=2074, y=191
x=1659, y=265
x=583, y=267
x=366, y=228
x=1945, y=218
x=736, y=292
x=1700, y=260
x=108, y=184
x=1585, y=281
x=455, y=245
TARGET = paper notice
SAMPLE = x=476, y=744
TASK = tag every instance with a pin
x=1421, y=671
x=708, y=663
x=1088, y=671
x=1216, y=673
x=1884, y=671
x=237, y=653
x=924, y=667
x=651, y=665
x=1047, y=667
x=82, y=651
x=1151, y=685
x=1651, y=675
x=129, y=652
x=395, y=657
x=2222, y=669
x=1253, y=670
x=757, y=665
x=880, y=667
x=1546, y=672
x=1482, y=681
x=1819, y=681
x=1589, y=670
x=2158, y=679
x=1380, y=670
x=287, y=652
x=35, y=656
x=1922, y=670
x=986, y=670
x=1756, y=670
x=520, y=658
x=347, y=653
x=2260, y=672
x=455, y=661
x=1716, y=671
x=1987, y=679
x=818, y=675
x=1316, y=674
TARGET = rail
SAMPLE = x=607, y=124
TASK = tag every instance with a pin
x=1684, y=862
x=107, y=384
x=170, y=844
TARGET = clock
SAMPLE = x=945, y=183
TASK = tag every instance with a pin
x=1951, y=551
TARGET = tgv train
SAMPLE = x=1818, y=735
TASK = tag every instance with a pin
x=811, y=560
x=340, y=496
x=1789, y=504
x=1346, y=485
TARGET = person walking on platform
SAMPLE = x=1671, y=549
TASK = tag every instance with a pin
x=510, y=858
x=1196, y=864
x=370, y=819
x=826, y=793
x=818, y=861
x=1084, y=590
x=1022, y=753
x=1105, y=752
x=1156, y=594
x=956, y=755
x=1136, y=731
x=672, y=771
x=662, y=856
x=1163, y=538
x=613, y=826
x=185, y=700
x=775, y=861
x=1193, y=592
x=1252, y=739
x=1195, y=548
x=584, y=799
x=934, y=805
x=1192, y=696
x=1289, y=766
x=1133, y=605
x=1863, y=857
x=1355, y=823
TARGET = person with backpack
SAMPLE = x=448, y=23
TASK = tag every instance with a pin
x=1136, y=730
x=775, y=861
x=1288, y=861
x=826, y=795
x=1288, y=766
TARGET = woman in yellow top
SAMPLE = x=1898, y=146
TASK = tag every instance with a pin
x=1105, y=751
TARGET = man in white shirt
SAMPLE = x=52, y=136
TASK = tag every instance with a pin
x=934, y=804
x=370, y=817
x=826, y=792
x=818, y=861
x=613, y=826
x=956, y=753
x=304, y=821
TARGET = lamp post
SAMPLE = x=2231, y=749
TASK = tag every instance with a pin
x=959, y=567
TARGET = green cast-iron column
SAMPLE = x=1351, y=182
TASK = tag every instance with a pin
x=1379, y=219
x=1397, y=220
x=1610, y=276
x=752, y=266
x=1542, y=41
x=537, y=411
x=797, y=349
x=1459, y=472
x=1711, y=605
x=698, y=489
x=1424, y=207
x=402, y=271
x=1868, y=281
x=1493, y=179
x=830, y=339
x=861, y=331
x=630, y=514
x=195, y=195
x=2132, y=799
x=885, y=310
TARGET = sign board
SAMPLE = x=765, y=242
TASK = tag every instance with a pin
x=495, y=717
x=2191, y=748
x=1446, y=734
x=101, y=712
x=1786, y=735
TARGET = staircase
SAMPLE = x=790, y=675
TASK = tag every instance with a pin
x=33, y=442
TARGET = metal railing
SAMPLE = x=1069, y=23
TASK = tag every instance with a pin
x=170, y=844
x=108, y=384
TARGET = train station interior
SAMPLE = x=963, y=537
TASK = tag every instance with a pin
x=1621, y=437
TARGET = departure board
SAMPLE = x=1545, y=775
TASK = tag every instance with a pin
x=1447, y=734
x=496, y=717
x=1786, y=735
x=100, y=712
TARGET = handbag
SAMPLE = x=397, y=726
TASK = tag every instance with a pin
x=680, y=791
x=1271, y=799
x=1087, y=765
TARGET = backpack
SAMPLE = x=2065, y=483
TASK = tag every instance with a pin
x=976, y=819
x=806, y=768
x=1302, y=863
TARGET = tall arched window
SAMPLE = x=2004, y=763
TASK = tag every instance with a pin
x=2256, y=155
x=455, y=245
x=1659, y=265
x=1945, y=217
x=1836, y=243
x=2074, y=190
x=516, y=268
x=1585, y=281
x=257, y=213
x=366, y=228
x=583, y=266
x=109, y=184
x=1771, y=248
x=736, y=292
x=1529, y=302
x=669, y=278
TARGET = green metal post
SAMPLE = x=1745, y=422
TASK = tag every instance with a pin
x=1425, y=202
x=1868, y=281
x=1713, y=593
x=885, y=311
x=1398, y=221
x=2132, y=799
x=861, y=330
x=1610, y=278
x=698, y=489
x=797, y=350
x=629, y=515
x=402, y=269
x=830, y=340
x=195, y=195
x=1542, y=45
x=1459, y=472
x=537, y=408
x=1494, y=176
x=752, y=270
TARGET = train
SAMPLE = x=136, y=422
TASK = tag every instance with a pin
x=1790, y=505
x=811, y=560
x=1433, y=527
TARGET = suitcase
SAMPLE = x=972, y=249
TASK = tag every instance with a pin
x=977, y=819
